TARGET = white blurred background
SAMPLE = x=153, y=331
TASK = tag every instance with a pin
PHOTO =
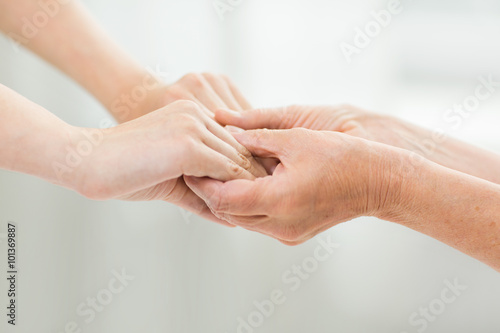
x=194, y=276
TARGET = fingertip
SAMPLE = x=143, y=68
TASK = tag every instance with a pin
x=245, y=137
x=226, y=116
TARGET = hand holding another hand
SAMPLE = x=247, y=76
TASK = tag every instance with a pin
x=434, y=145
x=145, y=159
x=323, y=178
x=209, y=91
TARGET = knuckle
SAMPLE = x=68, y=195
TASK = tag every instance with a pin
x=245, y=152
x=187, y=106
x=290, y=234
x=227, y=80
x=244, y=162
x=191, y=126
x=185, y=125
x=261, y=133
x=345, y=106
x=174, y=93
x=210, y=76
x=193, y=80
x=289, y=243
x=217, y=204
x=234, y=169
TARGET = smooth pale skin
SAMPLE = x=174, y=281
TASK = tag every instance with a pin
x=143, y=159
x=325, y=177
x=147, y=156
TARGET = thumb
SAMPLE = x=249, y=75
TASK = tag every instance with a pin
x=265, y=143
x=253, y=119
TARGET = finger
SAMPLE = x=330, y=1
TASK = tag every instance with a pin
x=238, y=197
x=269, y=164
x=213, y=164
x=273, y=118
x=182, y=196
x=234, y=129
x=209, y=113
x=203, y=91
x=177, y=93
x=245, y=157
x=222, y=147
x=265, y=143
x=260, y=224
x=250, y=222
x=221, y=88
x=242, y=101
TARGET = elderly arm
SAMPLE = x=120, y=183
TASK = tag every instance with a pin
x=325, y=178
x=432, y=145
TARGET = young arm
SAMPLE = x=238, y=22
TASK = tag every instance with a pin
x=143, y=159
x=72, y=41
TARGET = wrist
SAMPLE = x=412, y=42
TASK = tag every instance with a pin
x=76, y=164
x=401, y=182
x=142, y=94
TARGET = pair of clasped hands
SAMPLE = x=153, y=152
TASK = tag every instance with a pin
x=289, y=172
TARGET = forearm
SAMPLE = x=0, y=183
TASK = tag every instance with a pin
x=442, y=149
x=457, y=209
x=32, y=138
x=73, y=42
x=467, y=158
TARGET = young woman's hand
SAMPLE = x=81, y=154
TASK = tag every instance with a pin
x=209, y=91
x=145, y=159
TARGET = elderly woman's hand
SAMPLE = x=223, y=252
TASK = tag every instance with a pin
x=431, y=145
x=323, y=178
